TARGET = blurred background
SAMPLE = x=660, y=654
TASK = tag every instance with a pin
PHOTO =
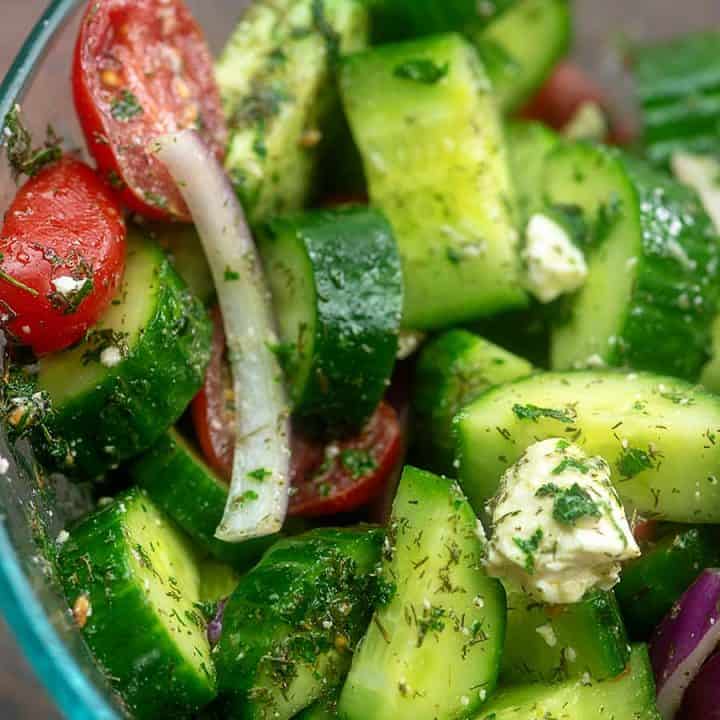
x=605, y=27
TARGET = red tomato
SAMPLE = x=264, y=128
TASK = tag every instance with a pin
x=327, y=478
x=562, y=95
x=645, y=531
x=142, y=69
x=63, y=256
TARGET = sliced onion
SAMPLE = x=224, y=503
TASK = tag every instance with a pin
x=702, y=698
x=258, y=497
x=684, y=640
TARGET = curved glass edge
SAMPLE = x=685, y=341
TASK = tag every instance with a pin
x=74, y=694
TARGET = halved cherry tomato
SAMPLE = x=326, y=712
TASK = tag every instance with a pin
x=142, y=69
x=567, y=89
x=645, y=531
x=327, y=478
x=63, y=256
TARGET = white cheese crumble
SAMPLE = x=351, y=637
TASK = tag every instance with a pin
x=554, y=265
x=547, y=633
x=68, y=286
x=4, y=465
x=558, y=527
x=703, y=175
x=111, y=356
x=63, y=537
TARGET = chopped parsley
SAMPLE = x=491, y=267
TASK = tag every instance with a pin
x=230, y=274
x=534, y=413
x=633, y=461
x=263, y=102
x=422, y=70
x=530, y=547
x=125, y=106
x=155, y=199
x=246, y=497
x=571, y=463
x=260, y=474
x=570, y=504
x=359, y=463
x=17, y=141
x=431, y=620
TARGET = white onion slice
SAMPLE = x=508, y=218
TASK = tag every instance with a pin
x=258, y=498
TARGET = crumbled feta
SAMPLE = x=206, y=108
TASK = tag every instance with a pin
x=63, y=537
x=702, y=173
x=4, y=465
x=547, y=633
x=409, y=343
x=554, y=265
x=68, y=286
x=111, y=356
x=558, y=527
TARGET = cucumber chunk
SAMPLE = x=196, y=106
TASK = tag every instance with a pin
x=678, y=85
x=653, y=583
x=630, y=697
x=652, y=290
x=134, y=584
x=280, y=98
x=294, y=619
x=136, y=371
x=433, y=652
x=436, y=165
x=453, y=369
x=657, y=434
x=550, y=644
x=182, y=485
x=517, y=67
x=337, y=288
x=217, y=580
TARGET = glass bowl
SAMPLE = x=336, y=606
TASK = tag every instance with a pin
x=32, y=509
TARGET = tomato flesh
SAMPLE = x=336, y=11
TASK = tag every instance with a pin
x=142, y=69
x=63, y=254
x=326, y=477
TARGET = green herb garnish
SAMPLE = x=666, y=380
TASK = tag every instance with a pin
x=69, y=302
x=571, y=463
x=633, y=461
x=570, y=504
x=22, y=157
x=125, y=106
x=534, y=413
x=230, y=274
x=422, y=70
x=259, y=474
x=359, y=463
x=530, y=547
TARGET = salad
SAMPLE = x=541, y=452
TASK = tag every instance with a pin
x=391, y=354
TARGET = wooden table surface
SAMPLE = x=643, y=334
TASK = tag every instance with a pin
x=21, y=697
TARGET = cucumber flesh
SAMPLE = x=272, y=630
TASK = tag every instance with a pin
x=630, y=697
x=652, y=290
x=337, y=289
x=452, y=370
x=137, y=370
x=554, y=643
x=433, y=652
x=653, y=583
x=657, y=434
x=426, y=122
x=291, y=624
x=139, y=579
x=182, y=485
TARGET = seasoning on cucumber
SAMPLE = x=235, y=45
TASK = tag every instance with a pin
x=133, y=583
x=436, y=165
x=337, y=289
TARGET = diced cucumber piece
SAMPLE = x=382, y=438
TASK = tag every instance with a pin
x=293, y=621
x=278, y=91
x=137, y=370
x=517, y=65
x=452, y=370
x=432, y=652
x=652, y=291
x=425, y=120
x=653, y=583
x=678, y=85
x=659, y=436
x=551, y=643
x=529, y=144
x=337, y=289
x=133, y=582
x=217, y=580
x=182, y=485
x=629, y=697
x=318, y=711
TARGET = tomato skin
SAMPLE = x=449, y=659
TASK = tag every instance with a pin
x=564, y=92
x=64, y=222
x=155, y=50
x=317, y=491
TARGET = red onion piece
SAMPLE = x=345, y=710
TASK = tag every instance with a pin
x=215, y=626
x=684, y=640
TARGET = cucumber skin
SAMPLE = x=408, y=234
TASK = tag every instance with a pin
x=92, y=562
x=148, y=391
x=185, y=488
x=657, y=332
x=654, y=410
x=359, y=294
x=593, y=628
x=286, y=582
x=652, y=584
x=452, y=370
